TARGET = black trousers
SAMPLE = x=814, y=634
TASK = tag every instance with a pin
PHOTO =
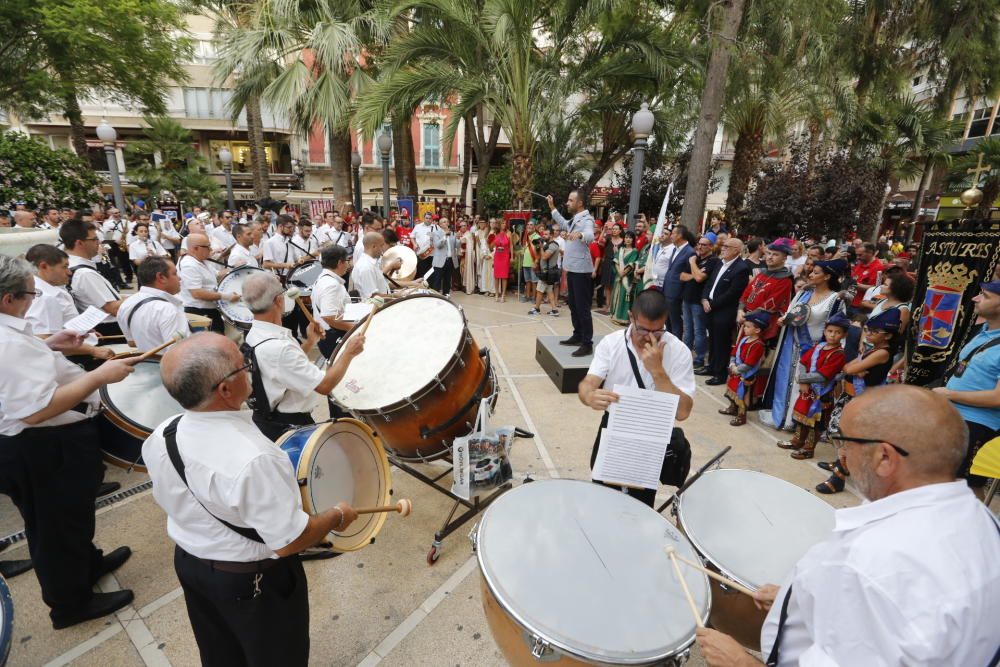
x=581, y=292
x=442, y=277
x=296, y=322
x=233, y=626
x=423, y=266
x=281, y=422
x=121, y=260
x=645, y=496
x=721, y=325
x=675, y=307
x=218, y=326
x=51, y=474
x=979, y=435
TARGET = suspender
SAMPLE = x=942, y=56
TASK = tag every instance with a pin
x=634, y=363
x=73, y=271
x=170, y=435
x=128, y=321
x=258, y=401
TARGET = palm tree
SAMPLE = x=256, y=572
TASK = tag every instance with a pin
x=177, y=165
x=989, y=148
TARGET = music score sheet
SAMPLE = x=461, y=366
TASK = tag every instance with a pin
x=635, y=440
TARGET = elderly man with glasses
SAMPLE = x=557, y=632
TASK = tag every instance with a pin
x=911, y=577
x=720, y=299
x=644, y=355
x=200, y=282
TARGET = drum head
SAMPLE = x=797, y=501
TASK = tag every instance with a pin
x=344, y=462
x=236, y=311
x=140, y=400
x=752, y=526
x=409, y=268
x=304, y=276
x=583, y=567
x=410, y=342
x=6, y=620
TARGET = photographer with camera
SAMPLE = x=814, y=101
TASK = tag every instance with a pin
x=548, y=272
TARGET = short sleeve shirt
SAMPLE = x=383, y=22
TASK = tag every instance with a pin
x=329, y=295
x=982, y=374
x=51, y=308
x=198, y=276
x=89, y=287
x=289, y=377
x=611, y=362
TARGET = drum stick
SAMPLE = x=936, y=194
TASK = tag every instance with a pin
x=115, y=337
x=159, y=348
x=404, y=507
x=684, y=587
x=715, y=575
x=305, y=311
x=371, y=316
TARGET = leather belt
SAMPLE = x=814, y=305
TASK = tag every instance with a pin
x=252, y=567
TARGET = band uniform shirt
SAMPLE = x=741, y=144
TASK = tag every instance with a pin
x=51, y=308
x=196, y=274
x=289, y=377
x=911, y=579
x=113, y=230
x=165, y=228
x=240, y=256
x=32, y=372
x=154, y=323
x=611, y=362
x=322, y=233
x=367, y=277
x=309, y=246
x=339, y=237
x=139, y=250
x=89, y=287
x=278, y=249
x=329, y=295
x=224, y=236
x=981, y=374
x=238, y=474
x=576, y=257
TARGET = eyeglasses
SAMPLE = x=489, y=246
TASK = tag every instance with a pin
x=25, y=292
x=840, y=440
x=655, y=333
x=236, y=372
x=91, y=238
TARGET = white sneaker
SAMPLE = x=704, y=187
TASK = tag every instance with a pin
x=554, y=313
x=534, y=311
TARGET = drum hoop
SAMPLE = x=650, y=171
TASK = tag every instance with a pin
x=117, y=417
x=377, y=451
x=704, y=552
x=7, y=621
x=302, y=266
x=557, y=645
x=222, y=304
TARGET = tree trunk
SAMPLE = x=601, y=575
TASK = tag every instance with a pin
x=466, y=161
x=870, y=211
x=918, y=199
x=814, y=136
x=484, y=147
x=520, y=179
x=78, y=134
x=746, y=160
x=405, y=160
x=258, y=156
x=699, y=171
x=340, y=167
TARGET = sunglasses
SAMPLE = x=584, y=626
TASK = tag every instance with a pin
x=236, y=372
x=840, y=440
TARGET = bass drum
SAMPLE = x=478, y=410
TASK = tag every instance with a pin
x=752, y=528
x=336, y=462
x=132, y=409
x=236, y=313
x=420, y=395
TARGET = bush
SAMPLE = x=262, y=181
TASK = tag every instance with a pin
x=32, y=172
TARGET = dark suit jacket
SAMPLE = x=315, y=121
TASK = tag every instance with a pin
x=731, y=286
x=672, y=285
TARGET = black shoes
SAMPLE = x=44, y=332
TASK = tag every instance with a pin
x=702, y=370
x=101, y=604
x=112, y=562
x=12, y=568
x=107, y=488
x=571, y=341
x=583, y=351
x=714, y=382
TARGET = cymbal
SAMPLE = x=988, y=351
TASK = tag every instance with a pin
x=409, y=268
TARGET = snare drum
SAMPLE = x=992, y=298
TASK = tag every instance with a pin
x=341, y=461
x=235, y=313
x=304, y=276
x=6, y=621
x=752, y=528
x=133, y=408
x=420, y=395
x=575, y=573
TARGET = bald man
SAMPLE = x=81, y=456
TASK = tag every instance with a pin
x=910, y=578
x=367, y=275
x=200, y=282
x=234, y=511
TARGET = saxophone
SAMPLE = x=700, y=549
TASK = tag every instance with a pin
x=123, y=241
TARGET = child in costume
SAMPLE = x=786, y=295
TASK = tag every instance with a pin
x=747, y=357
x=820, y=366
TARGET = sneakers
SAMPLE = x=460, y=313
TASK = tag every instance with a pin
x=534, y=311
x=554, y=313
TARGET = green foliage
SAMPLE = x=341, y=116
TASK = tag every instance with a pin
x=32, y=172
x=181, y=171
x=495, y=191
x=659, y=169
x=989, y=181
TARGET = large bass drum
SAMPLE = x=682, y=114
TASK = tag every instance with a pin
x=752, y=528
x=575, y=573
x=236, y=313
x=133, y=408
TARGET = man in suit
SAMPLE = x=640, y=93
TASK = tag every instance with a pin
x=445, y=250
x=721, y=300
x=579, y=270
x=677, y=262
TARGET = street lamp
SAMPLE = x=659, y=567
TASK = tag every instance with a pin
x=226, y=158
x=642, y=127
x=356, y=168
x=107, y=135
x=384, y=146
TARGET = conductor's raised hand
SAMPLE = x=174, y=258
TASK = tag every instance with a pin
x=601, y=399
x=651, y=353
x=551, y=201
x=355, y=346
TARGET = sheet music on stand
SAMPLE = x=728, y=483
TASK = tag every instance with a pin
x=635, y=440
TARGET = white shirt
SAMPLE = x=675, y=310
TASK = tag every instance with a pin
x=722, y=270
x=154, y=323
x=139, y=250
x=89, y=287
x=329, y=295
x=340, y=237
x=611, y=362
x=561, y=242
x=31, y=374
x=51, y=308
x=196, y=275
x=359, y=251
x=113, y=229
x=367, y=277
x=289, y=377
x=911, y=579
x=795, y=265
x=422, y=237
x=223, y=236
x=308, y=246
x=240, y=256
x=278, y=249
x=238, y=474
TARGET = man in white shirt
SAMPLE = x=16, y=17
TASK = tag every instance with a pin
x=367, y=273
x=116, y=228
x=647, y=356
x=336, y=233
x=279, y=255
x=200, y=282
x=224, y=232
x=423, y=244
x=305, y=247
x=152, y=316
x=444, y=258
x=87, y=285
x=910, y=578
x=330, y=297
x=198, y=227
x=242, y=254
x=50, y=218
x=50, y=460
x=661, y=257
x=287, y=385
x=236, y=514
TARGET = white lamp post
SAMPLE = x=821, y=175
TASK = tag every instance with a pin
x=226, y=158
x=642, y=127
x=108, y=136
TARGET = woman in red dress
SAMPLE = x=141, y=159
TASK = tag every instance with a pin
x=501, y=260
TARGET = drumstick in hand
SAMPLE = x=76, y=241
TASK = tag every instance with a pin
x=371, y=316
x=404, y=507
x=115, y=337
x=715, y=575
x=684, y=587
x=177, y=337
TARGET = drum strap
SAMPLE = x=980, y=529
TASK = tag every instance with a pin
x=260, y=404
x=635, y=365
x=170, y=435
x=128, y=321
x=772, y=658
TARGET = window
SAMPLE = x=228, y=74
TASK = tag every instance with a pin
x=198, y=103
x=204, y=52
x=916, y=81
x=432, y=145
